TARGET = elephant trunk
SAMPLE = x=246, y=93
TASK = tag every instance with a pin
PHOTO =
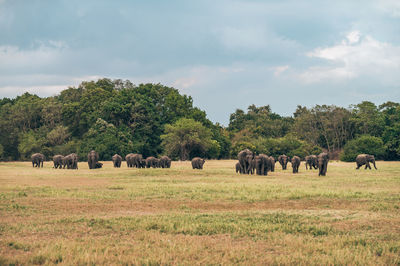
x=373, y=161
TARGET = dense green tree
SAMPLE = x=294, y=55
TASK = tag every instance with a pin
x=326, y=126
x=367, y=119
x=261, y=121
x=30, y=142
x=107, y=140
x=187, y=138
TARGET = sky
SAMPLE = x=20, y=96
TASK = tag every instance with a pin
x=226, y=54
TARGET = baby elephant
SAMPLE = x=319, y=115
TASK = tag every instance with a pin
x=197, y=163
x=98, y=165
x=238, y=168
x=295, y=164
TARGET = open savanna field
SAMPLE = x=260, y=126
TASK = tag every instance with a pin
x=209, y=216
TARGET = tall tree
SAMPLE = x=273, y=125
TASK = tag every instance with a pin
x=187, y=138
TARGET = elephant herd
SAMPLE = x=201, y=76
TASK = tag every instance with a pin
x=248, y=163
x=132, y=160
x=136, y=160
x=261, y=164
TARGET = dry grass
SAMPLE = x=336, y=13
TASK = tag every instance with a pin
x=185, y=216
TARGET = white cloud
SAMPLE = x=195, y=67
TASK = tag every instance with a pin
x=353, y=57
x=353, y=37
x=40, y=84
x=14, y=58
x=279, y=70
x=391, y=7
x=48, y=90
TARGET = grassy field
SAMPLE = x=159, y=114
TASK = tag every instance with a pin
x=210, y=216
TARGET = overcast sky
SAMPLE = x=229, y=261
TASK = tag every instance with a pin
x=226, y=54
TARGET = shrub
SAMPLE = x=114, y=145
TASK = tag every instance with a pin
x=363, y=144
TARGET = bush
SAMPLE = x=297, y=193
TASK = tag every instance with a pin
x=363, y=144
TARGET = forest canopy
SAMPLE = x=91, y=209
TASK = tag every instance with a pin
x=115, y=116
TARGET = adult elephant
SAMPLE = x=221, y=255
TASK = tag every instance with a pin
x=138, y=161
x=58, y=161
x=245, y=158
x=323, y=159
x=311, y=161
x=129, y=160
x=263, y=164
x=117, y=159
x=165, y=162
x=283, y=160
x=295, y=164
x=362, y=159
x=93, y=158
x=135, y=160
x=151, y=162
x=272, y=160
x=37, y=160
x=197, y=163
x=71, y=161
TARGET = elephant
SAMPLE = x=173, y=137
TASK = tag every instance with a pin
x=323, y=159
x=37, y=160
x=362, y=159
x=311, y=161
x=117, y=159
x=197, y=163
x=252, y=166
x=58, y=161
x=238, y=168
x=165, y=162
x=98, y=165
x=129, y=160
x=157, y=163
x=135, y=160
x=93, y=158
x=245, y=157
x=141, y=163
x=151, y=162
x=263, y=164
x=295, y=164
x=283, y=160
x=71, y=161
x=272, y=160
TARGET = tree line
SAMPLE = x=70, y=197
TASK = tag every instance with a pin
x=116, y=116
